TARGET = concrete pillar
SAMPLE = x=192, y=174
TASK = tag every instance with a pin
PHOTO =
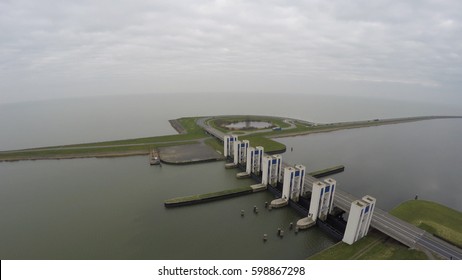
x=359, y=219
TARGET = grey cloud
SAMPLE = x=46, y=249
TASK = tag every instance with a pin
x=58, y=48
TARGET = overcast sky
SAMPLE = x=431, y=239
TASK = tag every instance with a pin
x=403, y=49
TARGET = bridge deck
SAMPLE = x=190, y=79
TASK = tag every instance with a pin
x=398, y=229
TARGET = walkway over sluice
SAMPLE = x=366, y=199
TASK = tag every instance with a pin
x=398, y=229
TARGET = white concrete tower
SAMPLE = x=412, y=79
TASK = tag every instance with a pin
x=266, y=169
x=278, y=168
x=228, y=143
x=332, y=185
x=271, y=170
x=288, y=182
x=359, y=219
x=250, y=158
x=371, y=201
x=300, y=179
x=322, y=199
x=254, y=160
x=317, y=198
x=293, y=182
x=240, y=151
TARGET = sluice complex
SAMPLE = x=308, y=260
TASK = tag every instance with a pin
x=318, y=198
x=273, y=173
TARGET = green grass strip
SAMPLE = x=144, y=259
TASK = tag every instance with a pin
x=374, y=246
x=269, y=145
x=83, y=152
x=435, y=218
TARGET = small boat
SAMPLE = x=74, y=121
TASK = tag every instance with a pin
x=155, y=160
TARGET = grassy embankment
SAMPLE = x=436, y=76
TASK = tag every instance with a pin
x=193, y=132
x=302, y=128
x=375, y=246
x=220, y=122
x=437, y=219
x=110, y=148
x=136, y=146
x=258, y=138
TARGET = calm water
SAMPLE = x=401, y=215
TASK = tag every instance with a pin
x=392, y=163
x=70, y=121
x=113, y=208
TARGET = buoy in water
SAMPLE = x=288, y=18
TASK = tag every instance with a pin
x=281, y=234
x=266, y=204
x=242, y=213
x=265, y=237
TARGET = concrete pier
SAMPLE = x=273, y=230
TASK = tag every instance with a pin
x=305, y=223
x=258, y=187
x=242, y=175
x=230, y=165
x=278, y=203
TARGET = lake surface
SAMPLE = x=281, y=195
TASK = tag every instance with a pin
x=82, y=120
x=113, y=208
x=392, y=163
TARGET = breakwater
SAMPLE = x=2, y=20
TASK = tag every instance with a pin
x=328, y=171
x=207, y=197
